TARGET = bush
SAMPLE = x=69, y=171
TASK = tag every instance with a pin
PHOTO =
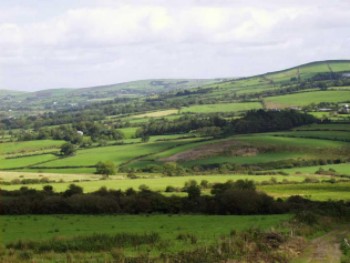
x=307, y=217
x=170, y=189
x=67, y=149
x=132, y=175
x=187, y=237
x=105, y=168
x=25, y=255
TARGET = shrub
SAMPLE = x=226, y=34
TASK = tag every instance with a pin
x=170, y=189
x=204, y=184
x=67, y=149
x=105, y=168
x=307, y=217
x=311, y=180
x=25, y=255
x=132, y=175
x=118, y=254
x=187, y=237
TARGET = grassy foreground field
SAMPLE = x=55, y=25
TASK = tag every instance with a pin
x=207, y=228
x=175, y=234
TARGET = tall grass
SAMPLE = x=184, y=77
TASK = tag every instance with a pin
x=95, y=242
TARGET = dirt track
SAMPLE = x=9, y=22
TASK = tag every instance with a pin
x=324, y=249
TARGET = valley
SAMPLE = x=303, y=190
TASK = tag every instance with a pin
x=173, y=159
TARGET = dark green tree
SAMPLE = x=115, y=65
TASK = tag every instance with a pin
x=105, y=168
x=67, y=149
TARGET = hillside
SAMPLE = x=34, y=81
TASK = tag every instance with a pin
x=9, y=93
x=223, y=90
x=273, y=83
x=228, y=147
x=66, y=98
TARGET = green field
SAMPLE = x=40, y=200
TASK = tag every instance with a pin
x=128, y=133
x=58, y=170
x=84, y=158
x=10, y=176
x=22, y=154
x=257, y=159
x=275, y=147
x=325, y=127
x=223, y=107
x=155, y=114
x=160, y=183
x=271, y=139
x=26, y=161
x=207, y=228
x=343, y=168
x=306, y=98
x=328, y=135
x=118, y=154
x=315, y=191
x=203, y=230
x=28, y=146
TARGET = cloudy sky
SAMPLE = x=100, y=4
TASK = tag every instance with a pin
x=64, y=43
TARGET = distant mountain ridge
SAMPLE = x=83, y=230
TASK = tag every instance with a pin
x=136, y=89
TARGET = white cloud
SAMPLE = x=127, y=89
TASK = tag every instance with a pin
x=10, y=35
x=116, y=41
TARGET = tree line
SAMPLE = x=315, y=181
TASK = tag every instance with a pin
x=238, y=197
x=213, y=125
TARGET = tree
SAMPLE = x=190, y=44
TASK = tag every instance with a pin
x=192, y=189
x=67, y=149
x=194, y=192
x=48, y=189
x=105, y=168
x=145, y=138
x=172, y=169
x=73, y=190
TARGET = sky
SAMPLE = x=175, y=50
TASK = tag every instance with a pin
x=84, y=43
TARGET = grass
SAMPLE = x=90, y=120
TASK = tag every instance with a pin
x=343, y=168
x=223, y=107
x=315, y=191
x=128, y=133
x=82, y=161
x=118, y=154
x=59, y=170
x=330, y=115
x=329, y=135
x=155, y=138
x=307, y=98
x=340, y=66
x=181, y=148
x=310, y=70
x=207, y=228
x=28, y=146
x=33, y=152
x=155, y=114
x=271, y=139
x=289, y=146
x=259, y=158
x=281, y=148
x=9, y=176
x=25, y=161
x=160, y=183
x=325, y=127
